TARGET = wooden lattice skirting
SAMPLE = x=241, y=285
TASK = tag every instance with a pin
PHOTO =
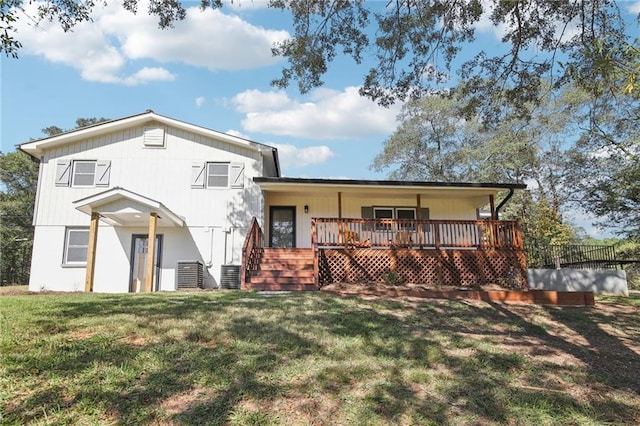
x=507, y=268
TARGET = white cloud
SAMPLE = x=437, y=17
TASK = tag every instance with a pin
x=294, y=157
x=207, y=39
x=634, y=7
x=291, y=156
x=328, y=114
x=147, y=74
x=200, y=100
x=102, y=50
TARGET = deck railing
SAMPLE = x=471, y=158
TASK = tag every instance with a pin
x=406, y=233
x=253, y=244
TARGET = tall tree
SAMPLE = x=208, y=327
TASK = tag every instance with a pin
x=18, y=180
x=604, y=172
x=435, y=141
x=430, y=142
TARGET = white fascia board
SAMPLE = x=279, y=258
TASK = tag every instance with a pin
x=37, y=147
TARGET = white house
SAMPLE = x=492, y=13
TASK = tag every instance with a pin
x=192, y=186
x=105, y=191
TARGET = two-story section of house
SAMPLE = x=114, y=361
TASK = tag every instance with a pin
x=122, y=205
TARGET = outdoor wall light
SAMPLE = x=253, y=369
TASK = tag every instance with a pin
x=306, y=208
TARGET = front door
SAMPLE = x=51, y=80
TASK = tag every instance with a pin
x=139, y=249
x=282, y=226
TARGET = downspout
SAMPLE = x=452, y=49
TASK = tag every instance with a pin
x=503, y=202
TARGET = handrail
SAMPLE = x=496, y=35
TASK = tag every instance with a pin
x=253, y=242
x=410, y=233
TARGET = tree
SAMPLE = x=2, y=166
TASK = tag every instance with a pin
x=604, y=171
x=18, y=182
x=435, y=141
x=430, y=143
x=416, y=43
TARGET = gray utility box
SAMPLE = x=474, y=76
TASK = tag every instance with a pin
x=189, y=275
x=230, y=276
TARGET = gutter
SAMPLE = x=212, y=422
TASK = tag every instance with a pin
x=503, y=202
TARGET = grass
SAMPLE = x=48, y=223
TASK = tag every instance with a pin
x=242, y=358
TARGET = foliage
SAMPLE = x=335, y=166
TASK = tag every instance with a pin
x=604, y=170
x=630, y=250
x=392, y=277
x=431, y=142
x=230, y=357
x=80, y=123
x=416, y=44
x=18, y=180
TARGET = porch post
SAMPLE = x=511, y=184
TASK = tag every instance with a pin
x=419, y=217
x=314, y=247
x=492, y=206
x=151, y=252
x=341, y=233
x=91, y=252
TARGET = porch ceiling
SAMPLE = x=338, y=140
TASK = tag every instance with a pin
x=380, y=189
x=120, y=207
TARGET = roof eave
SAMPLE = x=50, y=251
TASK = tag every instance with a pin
x=37, y=147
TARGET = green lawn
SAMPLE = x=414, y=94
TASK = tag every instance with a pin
x=241, y=358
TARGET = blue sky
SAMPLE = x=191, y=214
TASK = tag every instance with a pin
x=214, y=70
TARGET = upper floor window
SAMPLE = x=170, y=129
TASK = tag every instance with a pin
x=217, y=175
x=83, y=173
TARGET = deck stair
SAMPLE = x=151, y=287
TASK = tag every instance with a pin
x=283, y=269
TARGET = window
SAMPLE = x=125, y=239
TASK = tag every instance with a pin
x=217, y=175
x=84, y=173
x=382, y=213
x=76, y=243
x=406, y=213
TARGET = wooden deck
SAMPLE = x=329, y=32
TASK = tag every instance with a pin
x=457, y=253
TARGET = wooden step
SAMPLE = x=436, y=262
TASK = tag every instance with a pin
x=280, y=280
x=287, y=254
x=269, y=256
x=283, y=287
x=286, y=266
x=288, y=273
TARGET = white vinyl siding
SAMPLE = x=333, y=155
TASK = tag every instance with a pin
x=84, y=173
x=161, y=174
x=76, y=243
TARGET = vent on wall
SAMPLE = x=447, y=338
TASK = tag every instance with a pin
x=189, y=275
x=153, y=137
